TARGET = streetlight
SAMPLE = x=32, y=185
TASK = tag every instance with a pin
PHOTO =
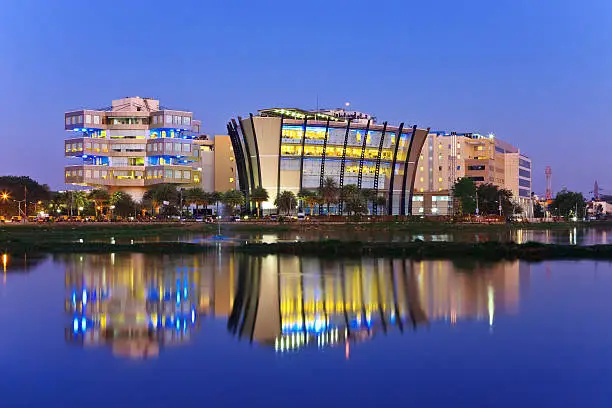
x=5, y=196
x=80, y=209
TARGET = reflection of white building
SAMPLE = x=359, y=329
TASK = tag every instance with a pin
x=133, y=302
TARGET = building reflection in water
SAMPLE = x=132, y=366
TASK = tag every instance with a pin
x=290, y=303
x=137, y=304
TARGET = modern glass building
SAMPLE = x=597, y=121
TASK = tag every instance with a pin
x=294, y=149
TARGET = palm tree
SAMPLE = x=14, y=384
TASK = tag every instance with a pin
x=216, y=197
x=99, y=197
x=258, y=196
x=232, y=199
x=329, y=192
x=79, y=199
x=285, y=201
x=197, y=197
x=311, y=198
x=160, y=193
x=350, y=194
x=380, y=201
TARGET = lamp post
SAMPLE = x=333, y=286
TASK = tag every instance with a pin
x=477, y=209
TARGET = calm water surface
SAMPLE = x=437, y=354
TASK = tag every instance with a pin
x=568, y=236
x=131, y=330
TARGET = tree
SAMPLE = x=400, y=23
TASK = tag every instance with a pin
x=489, y=197
x=310, y=198
x=258, y=196
x=160, y=193
x=79, y=199
x=353, y=199
x=100, y=197
x=381, y=202
x=329, y=192
x=464, y=196
x=538, y=210
x=197, y=197
x=20, y=188
x=568, y=204
x=285, y=201
x=232, y=199
x=216, y=197
x=124, y=204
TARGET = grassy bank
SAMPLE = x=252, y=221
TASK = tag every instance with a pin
x=489, y=251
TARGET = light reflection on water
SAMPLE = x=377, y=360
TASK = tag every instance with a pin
x=175, y=322
x=564, y=236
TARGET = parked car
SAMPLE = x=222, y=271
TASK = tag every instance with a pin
x=301, y=216
x=16, y=218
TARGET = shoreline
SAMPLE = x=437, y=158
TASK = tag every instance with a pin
x=419, y=250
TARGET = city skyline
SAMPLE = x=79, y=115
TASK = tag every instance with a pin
x=535, y=76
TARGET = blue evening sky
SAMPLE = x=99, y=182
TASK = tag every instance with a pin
x=538, y=73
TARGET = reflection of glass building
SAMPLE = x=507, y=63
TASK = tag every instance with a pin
x=133, y=302
x=293, y=149
x=291, y=303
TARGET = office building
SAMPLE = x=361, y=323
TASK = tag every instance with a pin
x=294, y=149
x=217, y=163
x=449, y=156
x=131, y=145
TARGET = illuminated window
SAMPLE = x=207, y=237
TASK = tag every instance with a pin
x=440, y=179
x=421, y=179
x=421, y=168
x=421, y=189
x=231, y=180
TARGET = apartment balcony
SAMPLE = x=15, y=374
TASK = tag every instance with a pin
x=174, y=174
x=120, y=176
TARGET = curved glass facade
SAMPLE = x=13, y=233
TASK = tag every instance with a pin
x=290, y=154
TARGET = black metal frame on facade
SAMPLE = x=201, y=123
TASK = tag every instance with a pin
x=302, y=154
x=232, y=128
x=247, y=152
x=258, y=183
x=323, y=154
x=392, y=175
x=343, y=162
x=405, y=176
x=362, y=156
x=249, y=164
x=377, y=171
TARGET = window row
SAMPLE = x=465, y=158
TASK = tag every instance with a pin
x=169, y=147
x=169, y=174
x=171, y=120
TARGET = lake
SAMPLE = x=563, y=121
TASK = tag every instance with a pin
x=219, y=329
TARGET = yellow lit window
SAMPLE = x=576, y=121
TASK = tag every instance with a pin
x=421, y=179
x=369, y=138
x=392, y=139
x=440, y=179
x=440, y=189
x=421, y=168
x=421, y=189
x=358, y=137
x=440, y=147
x=231, y=180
